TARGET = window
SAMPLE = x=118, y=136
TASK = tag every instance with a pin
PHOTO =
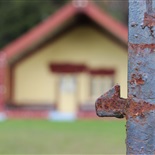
x=100, y=84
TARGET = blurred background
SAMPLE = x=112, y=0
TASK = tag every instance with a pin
x=18, y=16
x=61, y=56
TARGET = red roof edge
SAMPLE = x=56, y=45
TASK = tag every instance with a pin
x=36, y=33
x=103, y=19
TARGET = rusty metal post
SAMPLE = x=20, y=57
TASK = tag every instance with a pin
x=139, y=107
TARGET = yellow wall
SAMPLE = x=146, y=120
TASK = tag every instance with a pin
x=35, y=83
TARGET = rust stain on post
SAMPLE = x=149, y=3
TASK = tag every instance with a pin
x=149, y=20
x=140, y=47
x=140, y=108
x=137, y=79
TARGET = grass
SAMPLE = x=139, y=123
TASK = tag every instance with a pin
x=45, y=137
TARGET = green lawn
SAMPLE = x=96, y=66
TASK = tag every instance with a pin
x=45, y=137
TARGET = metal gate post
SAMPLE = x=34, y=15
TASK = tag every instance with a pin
x=139, y=107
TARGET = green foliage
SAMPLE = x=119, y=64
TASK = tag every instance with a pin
x=117, y=9
x=18, y=16
x=79, y=137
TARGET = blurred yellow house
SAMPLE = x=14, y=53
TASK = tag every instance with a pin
x=63, y=64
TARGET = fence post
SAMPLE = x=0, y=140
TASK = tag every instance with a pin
x=139, y=107
x=2, y=84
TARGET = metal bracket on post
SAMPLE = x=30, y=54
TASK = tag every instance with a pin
x=111, y=105
x=139, y=107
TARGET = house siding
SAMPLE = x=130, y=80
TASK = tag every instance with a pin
x=34, y=83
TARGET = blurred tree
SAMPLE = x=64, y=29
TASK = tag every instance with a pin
x=18, y=16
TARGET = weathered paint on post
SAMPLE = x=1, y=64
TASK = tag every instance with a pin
x=139, y=108
x=141, y=76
